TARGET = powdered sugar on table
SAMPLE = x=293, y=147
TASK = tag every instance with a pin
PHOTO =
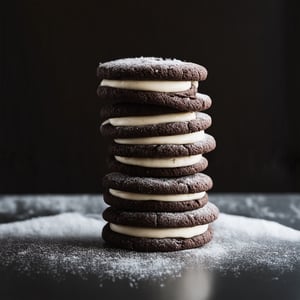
x=71, y=243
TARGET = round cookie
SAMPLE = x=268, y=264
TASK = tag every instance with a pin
x=116, y=166
x=201, y=216
x=196, y=183
x=202, y=122
x=153, y=68
x=154, y=244
x=151, y=205
x=132, y=109
x=167, y=150
x=188, y=100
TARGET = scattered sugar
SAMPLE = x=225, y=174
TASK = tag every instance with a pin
x=70, y=244
x=295, y=209
x=282, y=208
x=13, y=208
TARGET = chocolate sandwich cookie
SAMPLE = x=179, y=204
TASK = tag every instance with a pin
x=153, y=81
x=162, y=167
x=181, y=187
x=184, y=101
x=154, y=205
x=206, y=144
x=156, y=194
x=153, y=68
x=154, y=231
x=154, y=244
x=161, y=125
x=204, y=215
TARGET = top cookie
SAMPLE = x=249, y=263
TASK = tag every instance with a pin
x=151, y=68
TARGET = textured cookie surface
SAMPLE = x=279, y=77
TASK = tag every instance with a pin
x=202, y=122
x=149, y=185
x=167, y=150
x=115, y=166
x=150, y=205
x=200, y=216
x=155, y=68
x=154, y=244
x=183, y=101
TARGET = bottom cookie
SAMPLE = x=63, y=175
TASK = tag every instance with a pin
x=154, y=244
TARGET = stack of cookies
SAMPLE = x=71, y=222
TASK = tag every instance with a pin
x=157, y=194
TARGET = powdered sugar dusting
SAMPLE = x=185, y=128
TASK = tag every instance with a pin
x=68, y=226
x=70, y=244
x=144, y=61
x=140, y=68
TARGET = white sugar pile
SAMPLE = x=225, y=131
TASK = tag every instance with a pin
x=67, y=226
x=71, y=244
x=13, y=208
x=238, y=227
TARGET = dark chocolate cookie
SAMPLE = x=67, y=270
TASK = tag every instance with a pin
x=154, y=244
x=116, y=166
x=202, y=122
x=132, y=109
x=196, y=183
x=182, y=101
x=204, y=215
x=168, y=150
x=151, y=205
x=153, y=68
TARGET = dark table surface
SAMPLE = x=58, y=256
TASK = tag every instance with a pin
x=19, y=280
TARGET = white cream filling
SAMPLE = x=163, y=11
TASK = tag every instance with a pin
x=188, y=138
x=168, y=162
x=156, y=197
x=150, y=120
x=150, y=85
x=146, y=232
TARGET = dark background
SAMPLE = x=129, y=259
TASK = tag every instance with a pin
x=49, y=111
